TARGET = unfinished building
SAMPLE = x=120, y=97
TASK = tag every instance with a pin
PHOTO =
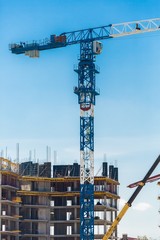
x=38, y=205
x=9, y=200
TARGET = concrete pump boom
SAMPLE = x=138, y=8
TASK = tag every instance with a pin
x=130, y=201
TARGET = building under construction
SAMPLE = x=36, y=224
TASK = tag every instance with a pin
x=42, y=202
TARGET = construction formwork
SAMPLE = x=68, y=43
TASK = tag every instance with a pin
x=43, y=208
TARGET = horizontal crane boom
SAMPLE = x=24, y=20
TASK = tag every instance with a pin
x=90, y=34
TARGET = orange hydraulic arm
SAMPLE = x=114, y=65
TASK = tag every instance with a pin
x=150, y=179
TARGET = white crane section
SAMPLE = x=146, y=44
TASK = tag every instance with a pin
x=136, y=27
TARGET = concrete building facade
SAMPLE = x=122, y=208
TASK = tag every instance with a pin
x=37, y=206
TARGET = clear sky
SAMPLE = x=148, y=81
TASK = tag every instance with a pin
x=39, y=108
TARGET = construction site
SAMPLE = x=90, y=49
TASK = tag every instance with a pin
x=53, y=201
x=35, y=205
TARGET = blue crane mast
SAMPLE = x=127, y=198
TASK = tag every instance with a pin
x=86, y=92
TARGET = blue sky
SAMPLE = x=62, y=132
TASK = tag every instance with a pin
x=39, y=108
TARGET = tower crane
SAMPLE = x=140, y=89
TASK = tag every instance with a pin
x=86, y=92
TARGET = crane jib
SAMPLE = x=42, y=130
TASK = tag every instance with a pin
x=90, y=34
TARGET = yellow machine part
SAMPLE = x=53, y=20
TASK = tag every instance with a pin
x=116, y=221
